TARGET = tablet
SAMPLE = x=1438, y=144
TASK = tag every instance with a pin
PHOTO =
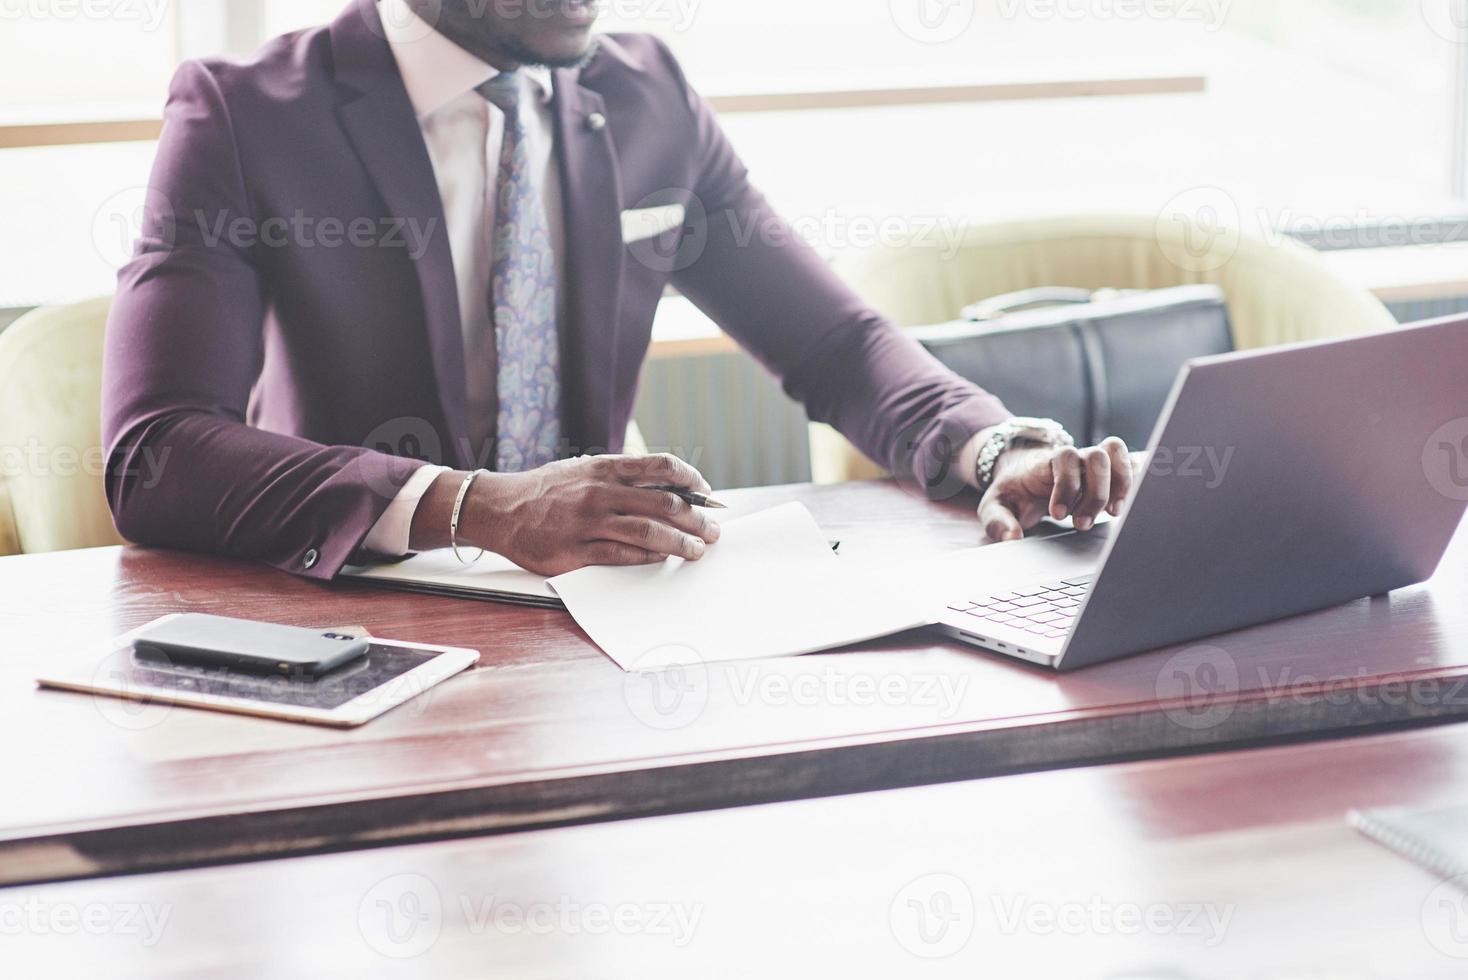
x=392, y=672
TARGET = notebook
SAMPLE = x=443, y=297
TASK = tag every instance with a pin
x=492, y=578
x=1435, y=839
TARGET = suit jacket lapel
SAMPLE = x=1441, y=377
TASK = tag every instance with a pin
x=378, y=118
x=592, y=194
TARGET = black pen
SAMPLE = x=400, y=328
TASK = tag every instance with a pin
x=693, y=497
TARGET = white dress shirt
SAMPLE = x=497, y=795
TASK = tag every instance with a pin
x=464, y=132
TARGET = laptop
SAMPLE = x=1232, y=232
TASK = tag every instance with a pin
x=1279, y=482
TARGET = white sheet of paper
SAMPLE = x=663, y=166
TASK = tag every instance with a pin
x=771, y=586
x=492, y=574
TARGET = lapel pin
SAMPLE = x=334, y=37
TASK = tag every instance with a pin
x=596, y=122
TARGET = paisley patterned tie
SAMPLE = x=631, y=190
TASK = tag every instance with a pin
x=523, y=296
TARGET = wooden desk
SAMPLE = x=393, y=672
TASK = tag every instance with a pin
x=1234, y=865
x=548, y=731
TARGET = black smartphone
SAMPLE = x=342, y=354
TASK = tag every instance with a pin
x=242, y=644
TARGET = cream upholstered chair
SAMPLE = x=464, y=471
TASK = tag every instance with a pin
x=51, y=455
x=1277, y=292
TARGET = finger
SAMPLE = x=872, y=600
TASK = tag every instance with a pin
x=662, y=469
x=998, y=521
x=647, y=534
x=666, y=507
x=1095, y=490
x=1065, y=467
x=619, y=553
x=1122, y=477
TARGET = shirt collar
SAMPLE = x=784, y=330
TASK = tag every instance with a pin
x=435, y=70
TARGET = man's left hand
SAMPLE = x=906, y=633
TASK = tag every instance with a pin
x=1061, y=482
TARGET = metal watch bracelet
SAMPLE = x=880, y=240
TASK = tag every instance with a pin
x=1040, y=432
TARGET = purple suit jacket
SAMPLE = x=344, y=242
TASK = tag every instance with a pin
x=285, y=344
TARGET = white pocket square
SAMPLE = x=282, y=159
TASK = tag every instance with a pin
x=640, y=224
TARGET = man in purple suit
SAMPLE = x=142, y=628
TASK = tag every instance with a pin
x=443, y=227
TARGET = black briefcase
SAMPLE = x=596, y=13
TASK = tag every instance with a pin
x=1102, y=364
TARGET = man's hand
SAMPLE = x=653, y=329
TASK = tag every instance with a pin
x=595, y=510
x=1030, y=483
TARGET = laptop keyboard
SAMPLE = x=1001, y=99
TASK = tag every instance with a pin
x=1045, y=610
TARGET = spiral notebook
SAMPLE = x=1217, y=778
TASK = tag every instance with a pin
x=1435, y=839
x=492, y=578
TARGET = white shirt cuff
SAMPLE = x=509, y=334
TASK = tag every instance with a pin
x=389, y=536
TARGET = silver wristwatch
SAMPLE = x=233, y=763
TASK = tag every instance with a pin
x=1017, y=432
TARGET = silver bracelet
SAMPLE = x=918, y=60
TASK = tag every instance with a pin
x=1039, y=432
x=454, y=519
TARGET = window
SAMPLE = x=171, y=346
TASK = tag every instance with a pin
x=69, y=58
x=1304, y=114
x=1321, y=112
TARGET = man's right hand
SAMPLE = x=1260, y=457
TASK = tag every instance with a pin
x=595, y=510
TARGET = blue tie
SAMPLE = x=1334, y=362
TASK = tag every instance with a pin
x=523, y=296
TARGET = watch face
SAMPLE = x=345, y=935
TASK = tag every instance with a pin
x=1040, y=430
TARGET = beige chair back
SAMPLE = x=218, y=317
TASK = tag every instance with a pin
x=51, y=457
x=1277, y=291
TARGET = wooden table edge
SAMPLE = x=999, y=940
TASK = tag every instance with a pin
x=714, y=781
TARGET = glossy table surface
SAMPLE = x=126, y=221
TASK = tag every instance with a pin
x=547, y=731
x=1233, y=865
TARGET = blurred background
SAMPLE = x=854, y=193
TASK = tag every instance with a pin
x=1341, y=123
